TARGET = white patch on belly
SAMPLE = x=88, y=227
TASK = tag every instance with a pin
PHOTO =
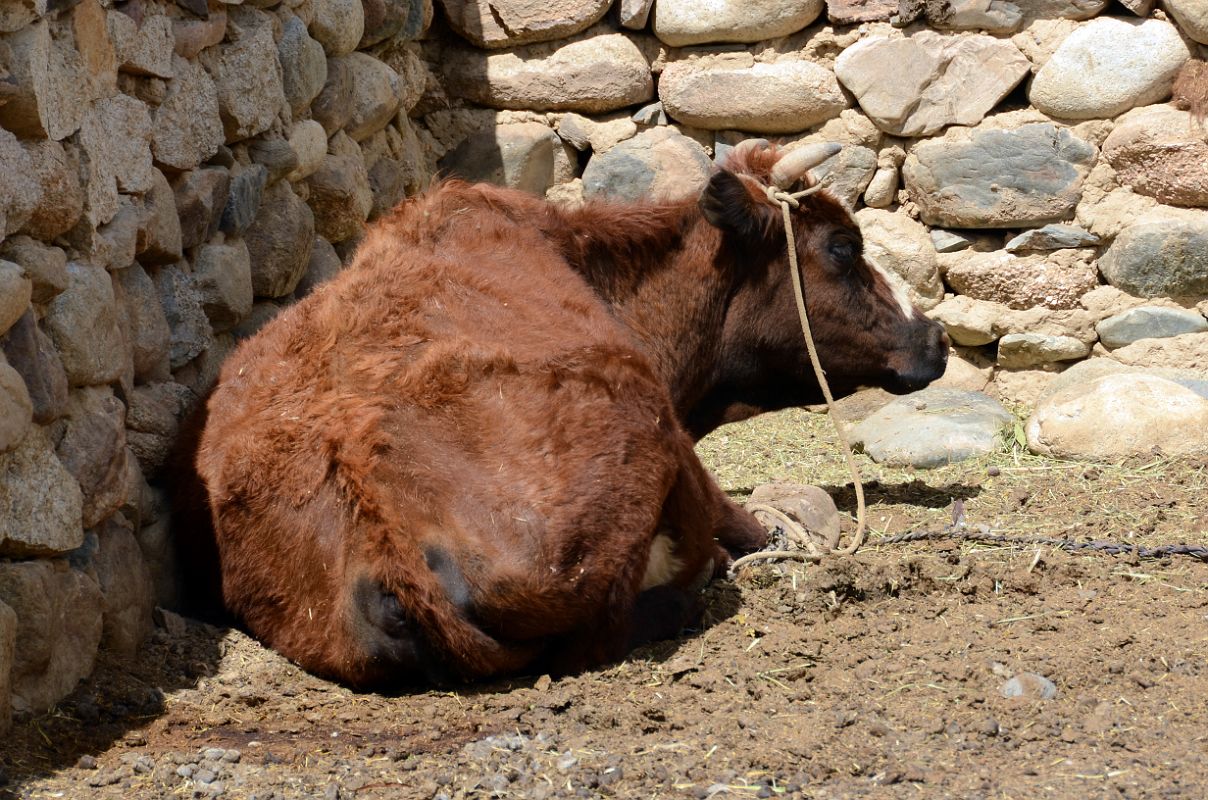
x=897, y=286
x=663, y=565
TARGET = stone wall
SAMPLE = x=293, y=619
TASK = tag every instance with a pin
x=1017, y=164
x=174, y=172
x=171, y=173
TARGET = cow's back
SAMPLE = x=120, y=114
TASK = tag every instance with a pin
x=471, y=391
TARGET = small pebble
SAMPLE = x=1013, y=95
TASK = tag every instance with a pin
x=993, y=472
x=1029, y=686
x=86, y=762
x=610, y=776
x=204, y=776
x=186, y=770
x=879, y=729
x=1142, y=680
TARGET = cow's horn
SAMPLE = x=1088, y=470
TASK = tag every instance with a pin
x=746, y=146
x=787, y=170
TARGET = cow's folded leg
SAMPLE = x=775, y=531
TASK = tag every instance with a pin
x=699, y=501
x=738, y=531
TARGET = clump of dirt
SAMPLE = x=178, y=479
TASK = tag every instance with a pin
x=879, y=675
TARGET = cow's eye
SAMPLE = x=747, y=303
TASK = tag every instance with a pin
x=842, y=251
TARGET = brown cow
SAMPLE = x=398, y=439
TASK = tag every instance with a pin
x=472, y=452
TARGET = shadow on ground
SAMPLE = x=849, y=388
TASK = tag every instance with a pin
x=912, y=493
x=109, y=707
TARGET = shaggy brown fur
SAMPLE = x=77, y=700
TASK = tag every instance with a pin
x=467, y=454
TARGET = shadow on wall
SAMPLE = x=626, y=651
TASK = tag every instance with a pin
x=133, y=679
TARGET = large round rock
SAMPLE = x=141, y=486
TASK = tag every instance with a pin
x=1159, y=258
x=931, y=428
x=683, y=22
x=504, y=23
x=726, y=93
x=592, y=75
x=1120, y=415
x=1108, y=66
x=658, y=164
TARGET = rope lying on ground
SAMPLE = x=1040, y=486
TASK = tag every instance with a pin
x=960, y=530
x=1069, y=545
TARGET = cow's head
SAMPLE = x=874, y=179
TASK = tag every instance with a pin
x=867, y=331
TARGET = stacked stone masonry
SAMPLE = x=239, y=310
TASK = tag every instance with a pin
x=173, y=172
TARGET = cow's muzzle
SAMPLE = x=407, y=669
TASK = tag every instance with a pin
x=923, y=362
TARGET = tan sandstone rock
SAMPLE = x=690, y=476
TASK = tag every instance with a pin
x=1189, y=352
x=916, y=86
x=58, y=629
x=1120, y=415
x=1055, y=280
x=683, y=22
x=1158, y=151
x=903, y=248
x=506, y=23
x=40, y=501
x=600, y=71
x=725, y=92
x=1192, y=17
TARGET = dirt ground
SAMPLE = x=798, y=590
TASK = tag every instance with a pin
x=880, y=675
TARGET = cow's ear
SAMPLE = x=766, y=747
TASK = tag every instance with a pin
x=735, y=206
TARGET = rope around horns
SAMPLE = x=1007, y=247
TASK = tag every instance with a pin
x=787, y=203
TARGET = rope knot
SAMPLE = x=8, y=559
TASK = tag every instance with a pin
x=789, y=199
x=781, y=197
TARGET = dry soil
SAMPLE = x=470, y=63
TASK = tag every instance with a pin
x=880, y=675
